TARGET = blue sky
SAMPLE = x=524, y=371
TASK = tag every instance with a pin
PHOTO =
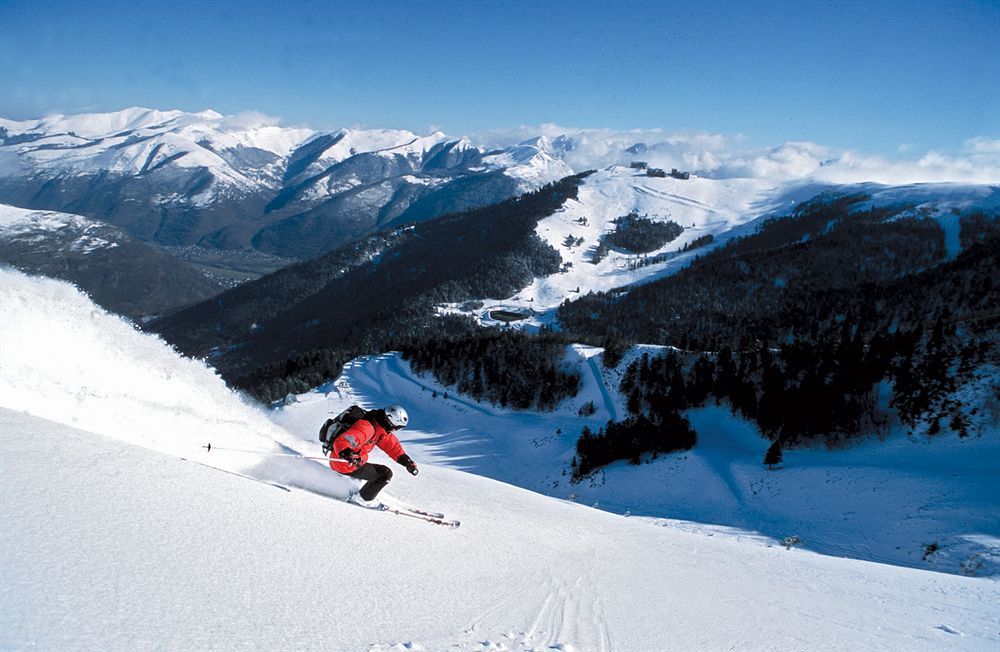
x=882, y=77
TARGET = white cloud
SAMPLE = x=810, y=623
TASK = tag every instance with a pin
x=721, y=156
x=10, y=164
x=983, y=145
x=248, y=120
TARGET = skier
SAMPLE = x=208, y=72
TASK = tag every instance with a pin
x=349, y=454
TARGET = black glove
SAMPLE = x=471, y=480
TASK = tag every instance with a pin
x=408, y=463
x=351, y=457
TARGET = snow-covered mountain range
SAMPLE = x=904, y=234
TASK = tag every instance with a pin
x=178, y=178
x=231, y=182
x=124, y=532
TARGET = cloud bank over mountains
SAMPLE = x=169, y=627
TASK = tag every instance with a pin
x=721, y=156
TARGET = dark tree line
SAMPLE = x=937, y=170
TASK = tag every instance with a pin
x=640, y=235
x=629, y=439
x=646, y=261
x=700, y=241
x=799, y=393
x=636, y=234
x=507, y=367
x=502, y=276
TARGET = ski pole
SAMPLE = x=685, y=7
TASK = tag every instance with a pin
x=209, y=448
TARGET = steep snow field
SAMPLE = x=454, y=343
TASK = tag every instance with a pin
x=111, y=541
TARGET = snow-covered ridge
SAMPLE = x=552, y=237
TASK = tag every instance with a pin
x=288, y=189
x=248, y=130
x=533, y=162
x=351, y=142
x=86, y=234
x=135, y=140
x=242, y=154
x=98, y=125
x=709, y=155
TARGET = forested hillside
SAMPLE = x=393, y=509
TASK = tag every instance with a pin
x=822, y=326
x=795, y=278
x=294, y=329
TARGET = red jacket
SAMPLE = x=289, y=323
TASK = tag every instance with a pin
x=362, y=437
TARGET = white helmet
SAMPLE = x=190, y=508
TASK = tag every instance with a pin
x=396, y=416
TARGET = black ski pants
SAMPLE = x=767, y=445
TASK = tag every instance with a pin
x=377, y=476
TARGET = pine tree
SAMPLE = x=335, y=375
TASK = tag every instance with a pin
x=773, y=455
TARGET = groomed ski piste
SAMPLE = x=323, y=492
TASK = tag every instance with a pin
x=120, y=532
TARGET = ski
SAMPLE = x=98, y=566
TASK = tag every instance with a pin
x=430, y=517
x=422, y=512
x=423, y=516
x=393, y=503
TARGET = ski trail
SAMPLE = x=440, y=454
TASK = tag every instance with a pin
x=685, y=201
x=599, y=617
x=544, y=615
x=570, y=614
x=609, y=403
x=475, y=625
x=553, y=612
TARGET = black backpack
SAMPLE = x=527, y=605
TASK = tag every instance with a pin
x=334, y=427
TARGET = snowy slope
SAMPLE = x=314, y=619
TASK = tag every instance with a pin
x=87, y=235
x=147, y=550
x=925, y=492
x=701, y=206
x=721, y=208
